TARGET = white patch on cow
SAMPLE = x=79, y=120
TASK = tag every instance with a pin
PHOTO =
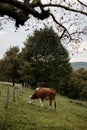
x=37, y=89
x=41, y=102
x=30, y=97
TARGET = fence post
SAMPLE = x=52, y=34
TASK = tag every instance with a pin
x=7, y=98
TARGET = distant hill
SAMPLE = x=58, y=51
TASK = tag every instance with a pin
x=78, y=65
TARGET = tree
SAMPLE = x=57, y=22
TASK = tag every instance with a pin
x=3, y=68
x=11, y=64
x=22, y=11
x=23, y=70
x=48, y=58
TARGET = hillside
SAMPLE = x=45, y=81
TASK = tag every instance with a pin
x=78, y=65
x=20, y=115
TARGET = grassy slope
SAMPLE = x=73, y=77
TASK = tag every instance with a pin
x=70, y=114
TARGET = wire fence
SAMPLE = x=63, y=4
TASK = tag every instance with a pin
x=8, y=93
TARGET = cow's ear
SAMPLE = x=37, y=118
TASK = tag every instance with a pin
x=30, y=97
x=37, y=89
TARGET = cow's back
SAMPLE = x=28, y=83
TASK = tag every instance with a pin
x=45, y=93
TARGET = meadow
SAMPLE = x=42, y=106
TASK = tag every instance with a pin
x=20, y=115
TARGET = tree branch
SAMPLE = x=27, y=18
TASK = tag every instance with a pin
x=16, y=9
x=64, y=29
x=20, y=11
x=82, y=3
x=65, y=7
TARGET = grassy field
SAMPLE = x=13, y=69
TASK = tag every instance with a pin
x=20, y=115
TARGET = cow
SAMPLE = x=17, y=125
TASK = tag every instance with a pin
x=42, y=94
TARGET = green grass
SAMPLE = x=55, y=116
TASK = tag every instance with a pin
x=20, y=115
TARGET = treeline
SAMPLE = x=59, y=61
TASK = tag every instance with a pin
x=77, y=85
x=44, y=61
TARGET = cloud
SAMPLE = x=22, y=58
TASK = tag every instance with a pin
x=79, y=57
x=2, y=33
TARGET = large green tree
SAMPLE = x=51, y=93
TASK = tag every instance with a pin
x=48, y=58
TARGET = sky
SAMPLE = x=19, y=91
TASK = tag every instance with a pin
x=9, y=36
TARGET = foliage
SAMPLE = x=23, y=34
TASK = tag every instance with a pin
x=23, y=70
x=48, y=58
x=69, y=115
x=9, y=65
x=3, y=67
x=77, y=85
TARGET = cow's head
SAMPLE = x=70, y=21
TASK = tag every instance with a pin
x=34, y=96
x=30, y=99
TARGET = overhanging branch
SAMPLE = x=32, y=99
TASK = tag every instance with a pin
x=82, y=3
x=64, y=29
x=65, y=7
x=20, y=12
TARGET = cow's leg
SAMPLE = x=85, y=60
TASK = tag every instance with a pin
x=41, y=102
x=30, y=100
x=50, y=102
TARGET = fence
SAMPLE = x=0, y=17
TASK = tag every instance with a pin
x=9, y=93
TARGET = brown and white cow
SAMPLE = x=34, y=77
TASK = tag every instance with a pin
x=44, y=94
